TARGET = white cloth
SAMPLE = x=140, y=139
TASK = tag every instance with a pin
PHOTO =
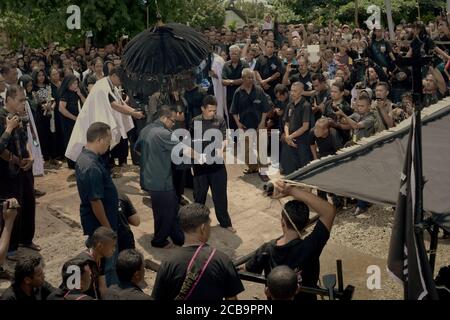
x=220, y=91
x=97, y=108
x=38, y=164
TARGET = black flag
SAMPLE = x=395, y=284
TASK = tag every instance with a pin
x=408, y=260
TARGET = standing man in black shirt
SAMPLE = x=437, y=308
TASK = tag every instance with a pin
x=301, y=255
x=324, y=141
x=322, y=95
x=16, y=174
x=194, y=98
x=212, y=175
x=98, y=194
x=249, y=108
x=197, y=271
x=298, y=120
x=268, y=69
x=232, y=77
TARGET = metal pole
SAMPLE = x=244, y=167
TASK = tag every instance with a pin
x=147, y=16
x=434, y=233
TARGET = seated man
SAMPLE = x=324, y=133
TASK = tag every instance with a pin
x=29, y=282
x=131, y=272
x=301, y=255
x=282, y=284
x=127, y=216
x=71, y=288
x=101, y=245
x=197, y=271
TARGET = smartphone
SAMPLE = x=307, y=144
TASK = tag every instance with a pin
x=254, y=38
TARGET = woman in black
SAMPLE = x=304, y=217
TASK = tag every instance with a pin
x=43, y=113
x=26, y=82
x=70, y=102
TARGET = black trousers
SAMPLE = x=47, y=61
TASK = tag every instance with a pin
x=21, y=187
x=217, y=181
x=120, y=152
x=165, y=216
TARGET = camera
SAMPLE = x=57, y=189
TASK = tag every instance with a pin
x=24, y=119
x=8, y=206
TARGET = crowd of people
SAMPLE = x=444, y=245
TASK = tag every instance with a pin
x=322, y=88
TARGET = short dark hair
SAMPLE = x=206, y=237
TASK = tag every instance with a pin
x=298, y=212
x=12, y=91
x=101, y=235
x=96, y=131
x=128, y=263
x=282, y=283
x=79, y=262
x=281, y=89
x=319, y=77
x=25, y=268
x=383, y=84
x=271, y=41
x=209, y=100
x=365, y=98
x=5, y=69
x=339, y=85
x=192, y=216
x=165, y=111
x=118, y=71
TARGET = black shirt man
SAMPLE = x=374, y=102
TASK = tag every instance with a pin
x=215, y=274
x=213, y=175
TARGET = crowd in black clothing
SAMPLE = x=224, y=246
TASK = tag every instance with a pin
x=322, y=88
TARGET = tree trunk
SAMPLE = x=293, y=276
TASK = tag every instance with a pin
x=356, y=14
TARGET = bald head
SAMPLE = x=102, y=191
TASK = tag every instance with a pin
x=322, y=127
x=282, y=283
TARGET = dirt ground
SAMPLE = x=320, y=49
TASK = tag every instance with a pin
x=359, y=242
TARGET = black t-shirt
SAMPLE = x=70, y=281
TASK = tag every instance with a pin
x=194, y=99
x=125, y=238
x=15, y=293
x=126, y=291
x=64, y=294
x=18, y=134
x=250, y=107
x=231, y=73
x=301, y=255
x=306, y=80
x=296, y=115
x=268, y=66
x=71, y=99
x=220, y=279
x=327, y=146
x=215, y=123
x=321, y=97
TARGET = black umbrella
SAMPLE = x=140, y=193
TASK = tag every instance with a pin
x=161, y=54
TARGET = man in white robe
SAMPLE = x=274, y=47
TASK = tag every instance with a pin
x=103, y=104
x=220, y=91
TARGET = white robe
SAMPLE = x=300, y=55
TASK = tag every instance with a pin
x=97, y=108
x=36, y=152
x=220, y=91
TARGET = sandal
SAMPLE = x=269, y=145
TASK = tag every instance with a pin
x=32, y=246
x=248, y=171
